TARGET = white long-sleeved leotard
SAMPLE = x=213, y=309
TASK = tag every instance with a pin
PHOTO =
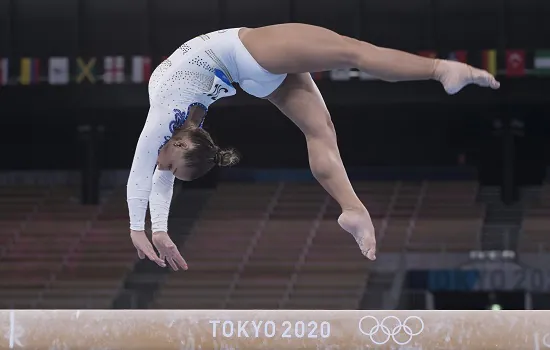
x=187, y=78
x=200, y=72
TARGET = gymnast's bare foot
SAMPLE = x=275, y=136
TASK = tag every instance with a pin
x=359, y=224
x=456, y=75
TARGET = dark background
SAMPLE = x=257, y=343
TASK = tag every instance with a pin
x=378, y=124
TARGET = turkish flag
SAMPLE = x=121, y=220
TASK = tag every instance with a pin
x=515, y=63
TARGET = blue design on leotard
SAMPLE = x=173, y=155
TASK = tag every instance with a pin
x=179, y=118
x=221, y=75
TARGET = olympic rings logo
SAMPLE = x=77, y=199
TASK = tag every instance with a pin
x=381, y=332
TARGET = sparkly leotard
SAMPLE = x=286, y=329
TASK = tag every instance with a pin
x=199, y=73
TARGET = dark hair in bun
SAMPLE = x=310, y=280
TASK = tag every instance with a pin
x=204, y=154
x=226, y=157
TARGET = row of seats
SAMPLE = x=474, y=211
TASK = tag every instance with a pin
x=276, y=245
x=262, y=245
x=57, y=253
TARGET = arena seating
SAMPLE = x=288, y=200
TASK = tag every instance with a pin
x=62, y=254
x=290, y=253
x=21, y=278
x=218, y=245
x=447, y=218
x=279, y=247
x=256, y=245
x=534, y=235
x=95, y=268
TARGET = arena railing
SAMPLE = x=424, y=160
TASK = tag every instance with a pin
x=389, y=211
x=415, y=213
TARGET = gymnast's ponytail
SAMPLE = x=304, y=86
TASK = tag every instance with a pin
x=203, y=154
x=226, y=157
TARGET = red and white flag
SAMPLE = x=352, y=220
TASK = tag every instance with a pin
x=4, y=71
x=141, y=69
x=515, y=63
x=113, y=70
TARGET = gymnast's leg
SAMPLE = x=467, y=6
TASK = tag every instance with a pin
x=300, y=48
x=300, y=100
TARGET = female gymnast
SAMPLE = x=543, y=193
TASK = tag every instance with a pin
x=270, y=62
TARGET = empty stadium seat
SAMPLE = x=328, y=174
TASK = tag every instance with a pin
x=57, y=253
x=268, y=246
x=254, y=245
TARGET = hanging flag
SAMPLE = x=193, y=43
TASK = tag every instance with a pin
x=515, y=63
x=349, y=74
x=58, y=71
x=30, y=70
x=489, y=61
x=459, y=56
x=113, y=70
x=141, y=69
x=85, y=70
x=542, y=62
x=4, y=71
x=427, y=53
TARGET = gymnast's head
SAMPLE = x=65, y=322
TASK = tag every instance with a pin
x=191, y=153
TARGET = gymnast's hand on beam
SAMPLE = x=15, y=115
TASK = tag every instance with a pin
x=144, y=247
x=168, y=251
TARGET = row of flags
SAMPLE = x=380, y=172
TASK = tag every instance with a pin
x=511, y=63
x=138, y=69
x=63, y=71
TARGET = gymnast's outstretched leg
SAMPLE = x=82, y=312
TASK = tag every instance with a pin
x=300, y=100
x=301, y=48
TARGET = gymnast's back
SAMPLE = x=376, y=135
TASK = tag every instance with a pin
x=191, y=72
x=205, y=68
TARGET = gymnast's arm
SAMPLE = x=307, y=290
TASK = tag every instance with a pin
x=160, y=198
x=142, y=180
